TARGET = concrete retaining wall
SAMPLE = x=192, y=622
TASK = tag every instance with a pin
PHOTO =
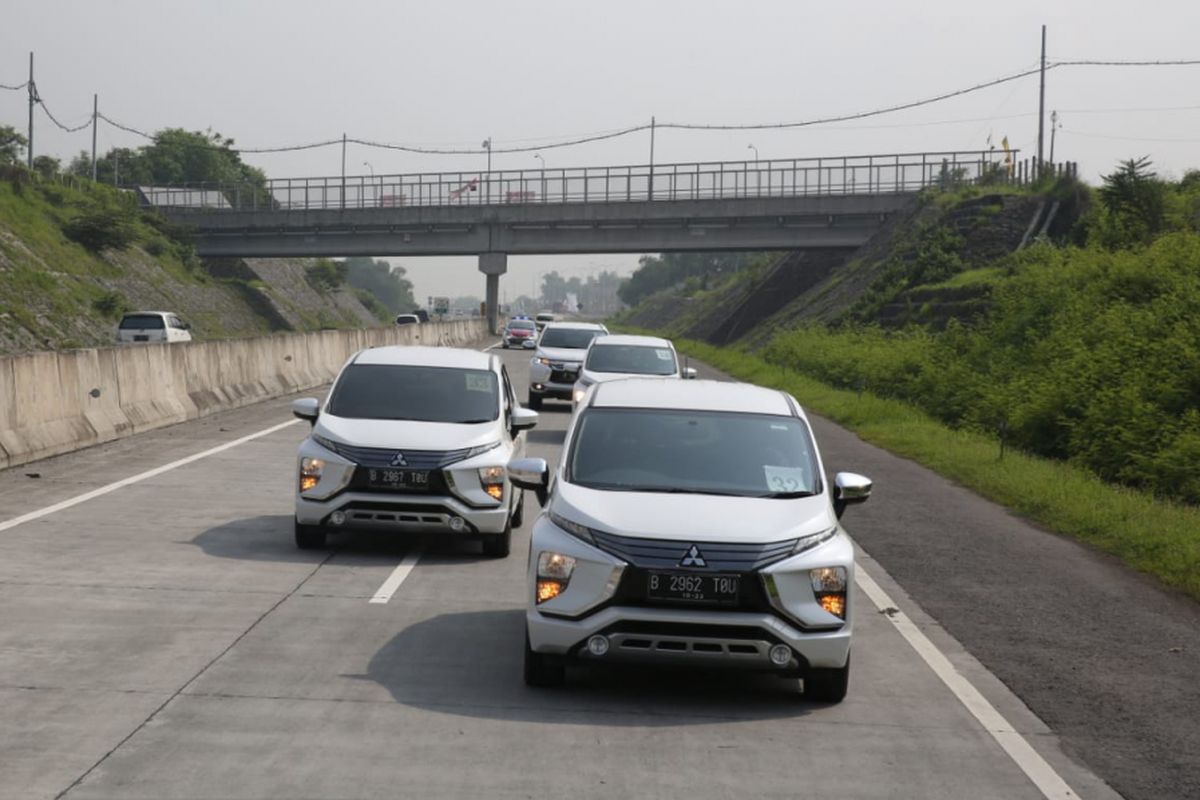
x=55, y=402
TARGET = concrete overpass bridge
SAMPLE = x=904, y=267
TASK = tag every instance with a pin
x=741, y=205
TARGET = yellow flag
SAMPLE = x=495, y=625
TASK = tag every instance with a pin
x=1008, y=162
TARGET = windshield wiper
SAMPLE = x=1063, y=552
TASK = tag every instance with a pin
x=786, y=495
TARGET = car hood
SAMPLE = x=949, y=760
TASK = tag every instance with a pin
x=404, y=434
x=694, y=517
x=562, y=353
x=587, y=376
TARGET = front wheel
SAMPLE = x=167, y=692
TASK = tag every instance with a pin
x=518, y=517
x=541, y=670
x=309, y=537
x=535, y=402
x=828, y=685
x=498, y=545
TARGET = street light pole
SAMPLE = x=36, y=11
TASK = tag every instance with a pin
x=1053, y=128
x=367, y=164
x=541, y=160
x=487, y=143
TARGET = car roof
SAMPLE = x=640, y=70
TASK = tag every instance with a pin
x=142, y=313
x=586, y=326
x=693, y=395
x=402, y=355
x=629, y=339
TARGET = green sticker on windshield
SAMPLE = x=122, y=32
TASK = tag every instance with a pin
x=785, y=479
x=478, y=383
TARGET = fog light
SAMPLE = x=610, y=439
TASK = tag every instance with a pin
x=308, y=482
x=597, y=645
x=337, y=518
x=780, y=654
x=548, y=590
x=457, y=524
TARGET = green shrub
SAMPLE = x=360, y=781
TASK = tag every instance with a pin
x=102, y=224
x=111, y=304
x=325, y=274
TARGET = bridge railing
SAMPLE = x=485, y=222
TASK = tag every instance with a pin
x=798, y=177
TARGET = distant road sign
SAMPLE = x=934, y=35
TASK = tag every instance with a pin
x=441, y=305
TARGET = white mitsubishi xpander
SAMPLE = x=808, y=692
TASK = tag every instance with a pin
x=689, y=522
x=413, y=439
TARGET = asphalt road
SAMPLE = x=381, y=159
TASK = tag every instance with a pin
x=165, y=639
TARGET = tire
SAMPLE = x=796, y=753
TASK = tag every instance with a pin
x=542, y=671
x=827, y=685
x=498, y=545
x=518, y=517
x=309, y=537
x=535, y=402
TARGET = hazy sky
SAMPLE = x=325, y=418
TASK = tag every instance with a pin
x=453, y=72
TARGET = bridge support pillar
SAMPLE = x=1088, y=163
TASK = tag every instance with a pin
x=493, y=265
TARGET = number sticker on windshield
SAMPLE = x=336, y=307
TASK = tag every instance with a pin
x=478, y=383
x=785, y=479
x=663, y=355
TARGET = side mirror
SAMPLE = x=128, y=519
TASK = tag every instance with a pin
x=689, y=373
x=531, y=473
x=307, y=409
x=848, y=489
x=523, y=419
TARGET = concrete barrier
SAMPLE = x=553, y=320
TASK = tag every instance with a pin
x=59, y=401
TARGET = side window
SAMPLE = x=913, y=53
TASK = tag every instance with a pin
x=174, y=322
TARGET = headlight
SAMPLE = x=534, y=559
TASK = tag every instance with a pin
x=812, y=540
x=553, y=574
x=574, y=528
x=492, y=481
x=829, y=586
x=310, y=472
x=543, y=361
x=579, y=393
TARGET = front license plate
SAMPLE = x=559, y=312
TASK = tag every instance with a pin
x=398, y=479
x=687, y=587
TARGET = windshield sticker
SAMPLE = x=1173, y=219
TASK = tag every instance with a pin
x=785, y=479
x=663, y=355
x=478, y=383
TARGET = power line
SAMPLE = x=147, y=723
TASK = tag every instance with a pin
x=16, y=88
x=1123, y=138
x=87, y=124
x=1089, y=63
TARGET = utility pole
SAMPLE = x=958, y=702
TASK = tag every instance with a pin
x=95, y=113
x=33, y=98
x=1041, y=109
x=651, y=194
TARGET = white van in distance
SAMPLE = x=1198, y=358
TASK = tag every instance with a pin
x=152, y=326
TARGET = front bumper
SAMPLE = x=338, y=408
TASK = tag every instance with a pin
x=404, y=513
x=646, y=631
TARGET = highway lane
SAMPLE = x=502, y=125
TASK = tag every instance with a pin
x=167, y=640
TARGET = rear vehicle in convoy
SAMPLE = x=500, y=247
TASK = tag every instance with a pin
x=689, y=523
x=614, y=357
x=519, y=332
x=413, y=439
x=408, y=319
x=152, y=326
x=544, y=318
x=555, y=365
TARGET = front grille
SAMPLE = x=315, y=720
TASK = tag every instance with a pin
x=718, y=556
x=560, y=375
x=383, y=456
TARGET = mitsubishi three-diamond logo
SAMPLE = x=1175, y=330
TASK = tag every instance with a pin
x=693, y=558
x=398, y=460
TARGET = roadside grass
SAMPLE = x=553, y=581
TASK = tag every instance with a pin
x=1154, y=536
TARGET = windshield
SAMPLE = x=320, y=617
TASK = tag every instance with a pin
x=702, y=452
x=545, y=318
x=524, y=325
x=570, y=338
x=143, y=321
x=425, y=394
x=629, y=358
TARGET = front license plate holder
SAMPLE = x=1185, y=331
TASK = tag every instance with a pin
x=693, y=587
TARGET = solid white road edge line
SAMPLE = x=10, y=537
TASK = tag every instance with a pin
x=112, y=487
x=389, y=587
x=1043, y=776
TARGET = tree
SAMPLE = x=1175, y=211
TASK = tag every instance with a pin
x=655, y=273
x=12, y=145
x=1134, y=203
x=47, y=166
x=386, y=283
